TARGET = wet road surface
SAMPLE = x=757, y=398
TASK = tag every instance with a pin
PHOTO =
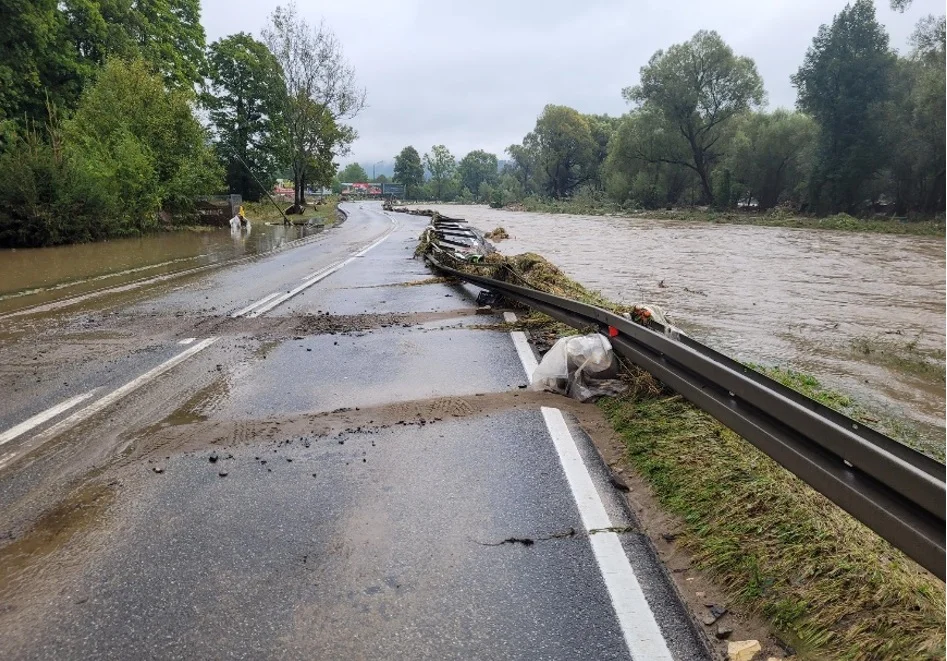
x=356, y=472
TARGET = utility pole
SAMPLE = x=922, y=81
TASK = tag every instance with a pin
x=373, y=169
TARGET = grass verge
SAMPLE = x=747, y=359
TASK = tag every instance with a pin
x=825, y=582
x=264, y=211
x=775, y=218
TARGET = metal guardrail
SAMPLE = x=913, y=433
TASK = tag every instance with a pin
x=894, y=490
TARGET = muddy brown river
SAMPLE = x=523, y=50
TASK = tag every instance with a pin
x=862, y=312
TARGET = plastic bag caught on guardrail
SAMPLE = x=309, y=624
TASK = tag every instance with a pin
x=581, y=367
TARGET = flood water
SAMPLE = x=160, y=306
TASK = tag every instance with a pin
x=39, y=275
x=804, y=299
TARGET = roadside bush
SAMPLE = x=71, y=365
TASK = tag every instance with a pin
x=132, y=149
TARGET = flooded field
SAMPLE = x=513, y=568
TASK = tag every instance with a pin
x=39, y=275
x=862, y=312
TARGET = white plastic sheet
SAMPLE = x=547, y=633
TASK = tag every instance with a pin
x=582, y=367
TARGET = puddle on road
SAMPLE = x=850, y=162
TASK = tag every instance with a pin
x=796, y=298
x=23, y=557
x=39, y=275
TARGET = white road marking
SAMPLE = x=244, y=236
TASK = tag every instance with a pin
x=40, y=418
x=642, y=633
x=638, y=625
x=525, y=353
x=263, y=300
x=187, y=340
x=523, y=350
x=109, y=399
x=320, y=275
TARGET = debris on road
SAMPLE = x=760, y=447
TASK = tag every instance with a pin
x=582, y=367
x=743, y=650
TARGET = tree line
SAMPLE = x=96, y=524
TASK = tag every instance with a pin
x=867, y=134
x=101, y=109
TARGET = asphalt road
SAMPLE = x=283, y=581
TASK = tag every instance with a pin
x=323, y=453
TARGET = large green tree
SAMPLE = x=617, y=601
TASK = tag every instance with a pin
x=770, y=156
x=644, y=161
x=243, y=93
x=353, y=173
x=321, y=92
x=442, y=166
x=52, y=50
x=845, y=82
x=477, y=168
x=132, y=149
x=565, y=150
x=698, y=87
x=409, y=171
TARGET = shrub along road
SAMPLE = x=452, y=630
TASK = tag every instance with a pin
x=323, y=453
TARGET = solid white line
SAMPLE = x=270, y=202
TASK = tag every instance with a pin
x=525, y=353
x=187, y=340
x=114, y=396
x=263, y=300
x=40, y=418
x=642, y=633
x=321, y=275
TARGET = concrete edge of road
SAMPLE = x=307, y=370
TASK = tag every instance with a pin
x=604, y=511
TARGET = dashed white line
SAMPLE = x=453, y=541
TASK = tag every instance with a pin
x=635, y=618
x=40, y=418
x=187, y=340
x=109, y=399
x=263, y=300
x=320, y=275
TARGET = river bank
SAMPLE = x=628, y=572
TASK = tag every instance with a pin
x=771, y=218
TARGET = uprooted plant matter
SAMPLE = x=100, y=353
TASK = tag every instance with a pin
x=823, y=580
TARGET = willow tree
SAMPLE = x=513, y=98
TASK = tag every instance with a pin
x=321, y=93
x=697, y=87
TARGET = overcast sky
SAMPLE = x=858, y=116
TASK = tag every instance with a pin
x=474, y=75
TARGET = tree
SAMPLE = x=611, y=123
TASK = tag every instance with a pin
x=52, y=50
x=475, y=169
x=133, y=148
x=353, y=173
x=525, y=165
x=914, y=127
x=770, y=155
x=602, y=128
x=409, y=171
x=244, y=93
x=565, y=149
x=644, y=161
x=844, y=83
x=698, y=87
x=440, y=163
x=320, y=93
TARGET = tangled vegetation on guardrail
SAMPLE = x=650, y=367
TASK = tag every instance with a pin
x=829, y=585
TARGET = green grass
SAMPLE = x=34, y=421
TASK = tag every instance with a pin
x=826, y=583
x=905, y=357
x=929, y=441
x=775, y=218
x=264, y=211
